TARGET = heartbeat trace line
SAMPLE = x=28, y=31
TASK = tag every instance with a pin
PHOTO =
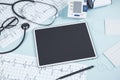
x=18, y=67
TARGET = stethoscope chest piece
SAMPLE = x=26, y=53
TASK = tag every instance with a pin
x=25, y=26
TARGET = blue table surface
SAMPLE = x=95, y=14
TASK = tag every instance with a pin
x=103, y=70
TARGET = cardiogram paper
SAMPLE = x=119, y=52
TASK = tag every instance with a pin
x=19, y=67
x=11, y=35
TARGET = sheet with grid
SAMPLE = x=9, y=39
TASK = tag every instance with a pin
x=113, y=54
x=20, y=67
x=11, y=35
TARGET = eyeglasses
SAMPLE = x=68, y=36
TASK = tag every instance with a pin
x=9, y=23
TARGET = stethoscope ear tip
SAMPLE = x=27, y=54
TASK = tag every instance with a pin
x=25, y=26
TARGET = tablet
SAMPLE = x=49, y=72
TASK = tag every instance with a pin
x=63, y=43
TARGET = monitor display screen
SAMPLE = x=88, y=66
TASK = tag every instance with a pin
x=77, y=7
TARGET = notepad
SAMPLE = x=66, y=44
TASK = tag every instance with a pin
x=112, y=26
x=113, y=54
x=100, y=3
x=20, y=67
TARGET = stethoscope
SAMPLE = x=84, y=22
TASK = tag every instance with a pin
x=24, y=26
x=31, y=1
x=9, y=25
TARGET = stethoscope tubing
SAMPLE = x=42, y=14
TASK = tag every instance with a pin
x=23, y=17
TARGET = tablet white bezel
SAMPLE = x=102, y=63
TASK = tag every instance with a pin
x=64, y=61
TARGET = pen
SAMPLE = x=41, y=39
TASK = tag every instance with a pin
x=84, y=69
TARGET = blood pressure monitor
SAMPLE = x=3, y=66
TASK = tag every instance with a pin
x=77, y=8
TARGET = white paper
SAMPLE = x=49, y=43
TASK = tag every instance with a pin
x=19, y=67
x=112, y=26
x=113, y=54
x=100, y=3
x=11, y=35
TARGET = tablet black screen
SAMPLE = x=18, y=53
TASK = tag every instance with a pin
x=63, y=43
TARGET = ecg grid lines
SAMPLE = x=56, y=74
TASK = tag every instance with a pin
x=12, y=35
x=19, y=67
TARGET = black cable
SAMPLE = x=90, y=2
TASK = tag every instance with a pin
x=24, y=26
x=16, y=1
x=19, y=2
x=5, y=4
